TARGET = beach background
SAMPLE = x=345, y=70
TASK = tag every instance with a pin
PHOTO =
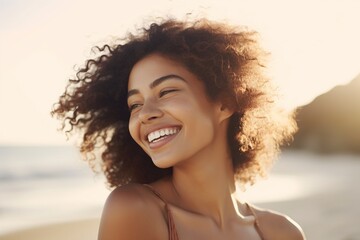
x=48, y=192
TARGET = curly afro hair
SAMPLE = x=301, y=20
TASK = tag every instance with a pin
x=226, y=58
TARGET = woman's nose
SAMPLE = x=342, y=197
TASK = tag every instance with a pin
x=149, y=112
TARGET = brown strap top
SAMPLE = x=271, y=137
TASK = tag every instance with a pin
x=171, y=224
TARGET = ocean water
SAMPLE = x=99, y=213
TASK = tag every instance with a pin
x=42, y=185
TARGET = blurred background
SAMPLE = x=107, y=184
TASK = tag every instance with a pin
x=48, y=192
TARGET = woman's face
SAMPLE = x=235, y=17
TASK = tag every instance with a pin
x=172, y=118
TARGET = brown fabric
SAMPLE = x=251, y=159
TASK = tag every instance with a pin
x=171, y=224
x=170, y=220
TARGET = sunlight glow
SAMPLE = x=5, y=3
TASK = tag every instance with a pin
x=314, y=46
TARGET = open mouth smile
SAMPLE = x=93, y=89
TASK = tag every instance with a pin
x=161, y=134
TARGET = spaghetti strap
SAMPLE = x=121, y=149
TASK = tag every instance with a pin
x=256, y=224
x=170, y=220
x=171, y=224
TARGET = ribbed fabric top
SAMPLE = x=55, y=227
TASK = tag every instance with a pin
x=171, y=224
x=170, y=220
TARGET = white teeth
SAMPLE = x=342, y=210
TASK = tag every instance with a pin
x=161, y=133
x=157, y=134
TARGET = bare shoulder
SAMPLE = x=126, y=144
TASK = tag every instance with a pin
x=130, y=212
x=278, y=226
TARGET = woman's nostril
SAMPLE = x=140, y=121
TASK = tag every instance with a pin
x=149, y=113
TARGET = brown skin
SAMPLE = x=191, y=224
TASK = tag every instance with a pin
x=133, y=212
x=203, y=206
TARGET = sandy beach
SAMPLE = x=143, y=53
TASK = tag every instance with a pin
x=322, y=195
x=80, y=229
x=330, y=210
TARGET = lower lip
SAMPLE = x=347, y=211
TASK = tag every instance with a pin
x=162, y=142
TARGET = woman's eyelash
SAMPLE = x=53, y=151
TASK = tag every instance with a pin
x=133, y=106
x=164, y=92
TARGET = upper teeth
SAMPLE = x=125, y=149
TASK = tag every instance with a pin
x=161, y=132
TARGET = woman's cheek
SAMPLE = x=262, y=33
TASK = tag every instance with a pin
x=134, y=132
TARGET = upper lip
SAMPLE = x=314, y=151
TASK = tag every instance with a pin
x=149, y=130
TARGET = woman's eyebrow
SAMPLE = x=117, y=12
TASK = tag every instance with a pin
x=157, y=82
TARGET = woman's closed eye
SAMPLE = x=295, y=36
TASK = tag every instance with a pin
x=134, y=106
x=167, y=91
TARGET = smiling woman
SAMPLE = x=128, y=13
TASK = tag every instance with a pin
x=182, y=110
x=178, y=102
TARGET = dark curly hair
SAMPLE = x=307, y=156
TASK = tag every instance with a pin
x=227, y=59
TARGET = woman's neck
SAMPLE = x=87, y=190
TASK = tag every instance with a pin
x=205, y=184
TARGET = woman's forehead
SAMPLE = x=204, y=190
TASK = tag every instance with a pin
x=155, y=66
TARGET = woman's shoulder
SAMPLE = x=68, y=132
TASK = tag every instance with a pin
x=132, y=212
x=132, y=196
x=275, y=225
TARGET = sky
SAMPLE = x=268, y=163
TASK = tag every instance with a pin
x=314, y=46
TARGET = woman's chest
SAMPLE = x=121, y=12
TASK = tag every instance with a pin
x=190, y=226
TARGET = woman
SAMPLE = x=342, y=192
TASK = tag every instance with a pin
x=180, y=111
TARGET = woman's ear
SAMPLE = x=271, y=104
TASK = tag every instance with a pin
x=225, y=112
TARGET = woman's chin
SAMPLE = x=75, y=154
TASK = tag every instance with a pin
x=162, y=163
